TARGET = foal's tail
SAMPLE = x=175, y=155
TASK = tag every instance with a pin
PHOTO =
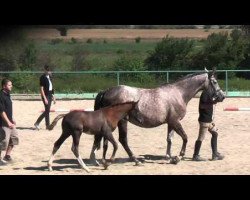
x=53, y=124
x=98, y=100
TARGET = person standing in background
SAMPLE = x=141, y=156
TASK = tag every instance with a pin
x=47, y=95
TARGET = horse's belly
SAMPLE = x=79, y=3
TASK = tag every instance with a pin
x=148, y=119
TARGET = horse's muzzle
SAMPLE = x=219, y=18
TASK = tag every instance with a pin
x=219, y=96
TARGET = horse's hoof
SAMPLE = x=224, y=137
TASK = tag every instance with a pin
x=106, y=165
x=174, y=160
x=168, y=157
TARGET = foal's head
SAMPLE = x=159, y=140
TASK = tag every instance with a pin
x=123, y=107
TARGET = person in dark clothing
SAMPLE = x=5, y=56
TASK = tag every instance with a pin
x=206, y=108
x=206, y=105
x=47, y=95
x=8, y=133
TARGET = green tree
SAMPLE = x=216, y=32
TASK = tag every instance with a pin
x=28, y=57
x=170, y=53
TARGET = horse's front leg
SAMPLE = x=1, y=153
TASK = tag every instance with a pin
x=109, y=137
x=122, y=127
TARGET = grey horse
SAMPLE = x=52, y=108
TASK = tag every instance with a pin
x=164, y=104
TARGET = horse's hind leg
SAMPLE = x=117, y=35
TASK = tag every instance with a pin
x=122, y=126
x=169, y=142
x=96, y=145
x=57, y=145
x=75, y=148
x=180, y=131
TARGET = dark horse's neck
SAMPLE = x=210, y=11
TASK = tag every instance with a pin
x=119, y=110
x=191, y=85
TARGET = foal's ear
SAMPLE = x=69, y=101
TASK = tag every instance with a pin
x=135, y=103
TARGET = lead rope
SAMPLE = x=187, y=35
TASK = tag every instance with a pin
x=214, y=109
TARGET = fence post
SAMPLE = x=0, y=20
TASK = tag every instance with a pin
x=118, y=78
x=167, y=76
x=226, y=83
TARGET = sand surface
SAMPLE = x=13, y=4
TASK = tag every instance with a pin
x=35, y=147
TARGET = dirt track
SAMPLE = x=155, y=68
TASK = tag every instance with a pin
x=121, y=33
x=150, y=144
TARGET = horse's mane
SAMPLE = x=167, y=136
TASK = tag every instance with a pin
x=189, y=76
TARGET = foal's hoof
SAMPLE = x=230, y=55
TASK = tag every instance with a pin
x=174, y=160
x=50, y=168
x=138, y=163
x=87, y=170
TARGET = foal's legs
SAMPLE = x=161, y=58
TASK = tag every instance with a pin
x=105, y=148
x=122, y=127
x=57, y=145
x=76, y=139
x=96, y=145
x=179, y=130
x=109, y=137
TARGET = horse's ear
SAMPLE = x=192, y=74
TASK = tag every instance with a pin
x=206, y=70
x=214, y=70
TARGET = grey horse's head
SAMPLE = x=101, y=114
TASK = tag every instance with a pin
x=213, y=87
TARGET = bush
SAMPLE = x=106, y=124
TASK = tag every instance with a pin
x=6, y=64
x=89, y=41
x=56, y=41
x=120, y=51
x=73, y=40
x=28, y=57
x=170, y=53
x=24, y=83
x=137, y=39
x=105, y=41
x=131, y=63
x=63, y=31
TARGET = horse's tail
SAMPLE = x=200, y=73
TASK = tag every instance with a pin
x=53, y=124
x=98, y=100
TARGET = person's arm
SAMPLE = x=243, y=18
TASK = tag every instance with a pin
x=42, y=84
x=43, y=95
x=6, y=119
x=53, y=96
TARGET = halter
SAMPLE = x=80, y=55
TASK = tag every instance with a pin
x=215, y=91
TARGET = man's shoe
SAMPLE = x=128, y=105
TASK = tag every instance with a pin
x=198, y=158
x=217, y=156
x=37, y=127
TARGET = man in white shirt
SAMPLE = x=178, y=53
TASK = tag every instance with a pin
x=47, y=95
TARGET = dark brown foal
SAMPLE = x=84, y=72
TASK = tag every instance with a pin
x=100, y=123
